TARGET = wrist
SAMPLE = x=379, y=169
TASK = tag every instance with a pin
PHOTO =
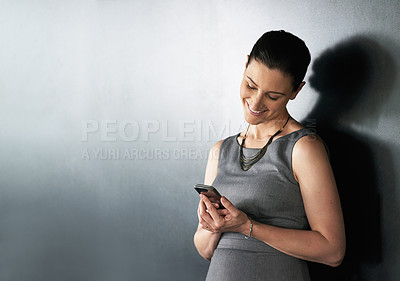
x=247, y=228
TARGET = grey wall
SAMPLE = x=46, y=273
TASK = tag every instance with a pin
x=108, y=109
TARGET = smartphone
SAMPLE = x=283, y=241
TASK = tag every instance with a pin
x=211, y=192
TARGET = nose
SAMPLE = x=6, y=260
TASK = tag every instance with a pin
x=258, y=101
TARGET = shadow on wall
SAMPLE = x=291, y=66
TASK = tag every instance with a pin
x=353, y=79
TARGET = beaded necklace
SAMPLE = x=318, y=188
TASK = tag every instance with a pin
x=247, y=162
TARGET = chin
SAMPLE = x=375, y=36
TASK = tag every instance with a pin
x=252, y=120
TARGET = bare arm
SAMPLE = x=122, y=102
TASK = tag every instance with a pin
x=204, y=240
x=325, y=242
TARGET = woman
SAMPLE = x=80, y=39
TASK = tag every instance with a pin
x=280, y=206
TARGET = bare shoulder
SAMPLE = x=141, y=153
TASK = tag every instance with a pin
x=308, y=146
x=212, y=163
x=214, y=151
x=309, y=156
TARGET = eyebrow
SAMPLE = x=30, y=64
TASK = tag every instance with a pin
x=272, y=92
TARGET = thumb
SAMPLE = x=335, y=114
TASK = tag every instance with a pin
x=227, y=204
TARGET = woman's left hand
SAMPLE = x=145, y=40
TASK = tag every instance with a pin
x=222, y=220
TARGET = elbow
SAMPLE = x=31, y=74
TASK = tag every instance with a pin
x=206, y=256
x=336, y=258
x=335, y=262
x=205, y=253
x=335, y=252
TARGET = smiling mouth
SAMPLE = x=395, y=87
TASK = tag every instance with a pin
x=255, y=112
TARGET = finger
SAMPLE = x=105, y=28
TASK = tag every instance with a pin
x=212, y=211
x=228, y=205
x=204, y=215
x=203, y=209
x=223, y=212
x=207, y=222
x=201, y=203
x=216, y=205
x=204, y=224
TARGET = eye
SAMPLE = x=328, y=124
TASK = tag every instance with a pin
x=250, y=87
x=272, y=98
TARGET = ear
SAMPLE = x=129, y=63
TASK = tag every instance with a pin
x=247, y=61
x=294, y=94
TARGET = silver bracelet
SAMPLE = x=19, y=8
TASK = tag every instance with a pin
x=251, y=229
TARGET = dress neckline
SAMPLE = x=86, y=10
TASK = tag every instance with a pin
x=255, y=148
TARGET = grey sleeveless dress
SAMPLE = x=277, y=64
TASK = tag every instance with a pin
x=268, y=193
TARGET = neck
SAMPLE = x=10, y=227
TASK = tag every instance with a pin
x=265, y=130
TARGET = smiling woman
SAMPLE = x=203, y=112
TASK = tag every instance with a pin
x=283, y=207
x=268, y=96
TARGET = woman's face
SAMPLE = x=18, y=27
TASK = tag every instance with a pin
x=264, y=93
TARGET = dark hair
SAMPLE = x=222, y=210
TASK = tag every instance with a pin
x=283, y=51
